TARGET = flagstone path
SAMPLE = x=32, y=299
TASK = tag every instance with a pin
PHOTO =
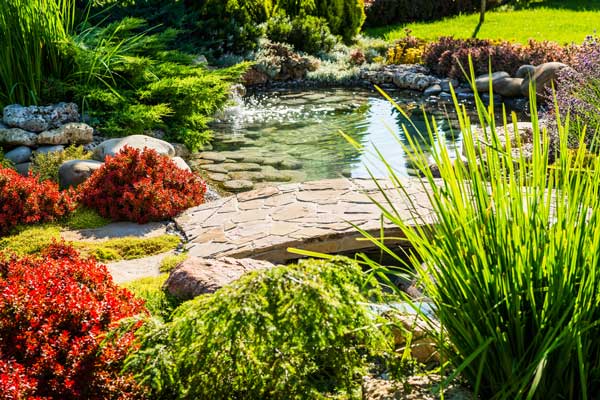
x=315, y=216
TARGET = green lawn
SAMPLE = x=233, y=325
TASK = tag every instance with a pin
x=559, y=25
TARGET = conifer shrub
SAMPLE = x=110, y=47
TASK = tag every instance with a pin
x=55, y=312
x=141, y=186
x=26, y=200
x=288, y=332
x=306, y=33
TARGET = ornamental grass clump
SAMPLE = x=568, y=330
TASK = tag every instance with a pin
x=513, y=259
x=141, y=186
x=290, y=332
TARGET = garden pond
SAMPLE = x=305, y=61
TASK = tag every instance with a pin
x=295, y=135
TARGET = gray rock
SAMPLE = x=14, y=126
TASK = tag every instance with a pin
x=543, y=76
x=71, y=133
x=445, y=84
x=17, y=137
x=214, y=168
x=113, y=146
x=196, y=276
x=181, y=150
x=218, y=177
x=254, y=176
x=38, y=119
x=445, y=96
x=49, y=149
x=433, y=90
x=23, y=168
x=525, y=71
x=508, y=87
x=237, y=167
x=180, y=162
x=212, y=156
x=482, y=82
x=290, y=164
x=211, y=194
x=19, y=155
x=75, y=172
x=238, y=186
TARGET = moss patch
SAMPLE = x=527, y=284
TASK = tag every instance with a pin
x=169, y=263
x=32, y=239
x=85, y=218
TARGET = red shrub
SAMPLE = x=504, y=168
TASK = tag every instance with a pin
x=446, y=55
x=25, y=200
x=55, y=311
x=141, y=186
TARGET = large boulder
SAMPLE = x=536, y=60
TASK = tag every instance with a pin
x=71, y=133
x=38, y=118
x=16, y=137
x=508, y=87
x=196, y=276
x=113, y=146
x=75, y=172
x=482, y=82
x=543, y=75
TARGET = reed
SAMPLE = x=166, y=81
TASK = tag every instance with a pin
x=35, y=46
x=513, y=259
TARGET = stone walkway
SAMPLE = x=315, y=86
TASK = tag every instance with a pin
x=316, y=216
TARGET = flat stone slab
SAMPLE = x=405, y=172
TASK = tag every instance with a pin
x=318, y=216
x=130, y=270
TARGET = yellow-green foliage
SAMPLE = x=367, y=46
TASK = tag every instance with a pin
x=159, y=303
x=45, y=165
x=170, y=262
x=5, y=163
x=32, y=239
x=401, y=53
x=84, y=218
x=289, y=332
x=128, y=248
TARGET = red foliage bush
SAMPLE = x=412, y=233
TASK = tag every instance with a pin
x=141, y=186
x=26, y=200
x=55, y=311
x=446, y=55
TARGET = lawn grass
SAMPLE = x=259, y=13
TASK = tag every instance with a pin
x=562, y=25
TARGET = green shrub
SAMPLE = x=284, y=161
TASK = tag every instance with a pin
x=344, y=17
x=45, y=165
x=513, y=261
x=288, y=332
x=306, y=33
x=4, y=162
x=35, y=47
x=156, y=300
x=128, y=248
x=170, y=262
x=84, y=218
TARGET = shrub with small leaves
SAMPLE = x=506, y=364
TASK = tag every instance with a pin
x=55, y=312
x=26, y=200
x=306, y=33
x=45, y=165
x=450, y=57
x=141, y=186
x=288, y=332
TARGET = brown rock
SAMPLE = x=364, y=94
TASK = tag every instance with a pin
x=196, y=276
x=254, y=77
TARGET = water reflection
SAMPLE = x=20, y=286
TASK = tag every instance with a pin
x=304, y=126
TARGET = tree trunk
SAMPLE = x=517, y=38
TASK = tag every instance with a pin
x=482, y=13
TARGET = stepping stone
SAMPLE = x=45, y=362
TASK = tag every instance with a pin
x=290, y=164
x=212, y=156
x=238, y=185
x=218, y=177
x=255, y=176
x=236, y=167
x=215, y=168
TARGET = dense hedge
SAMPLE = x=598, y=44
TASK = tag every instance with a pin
x=385, y=12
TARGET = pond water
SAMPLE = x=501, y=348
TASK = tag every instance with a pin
x=302, y=128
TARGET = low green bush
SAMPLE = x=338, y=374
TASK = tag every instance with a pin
x=288, y=332
x=306, y=33
x=170, y=262
x=128, y=248
x=156, y=300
